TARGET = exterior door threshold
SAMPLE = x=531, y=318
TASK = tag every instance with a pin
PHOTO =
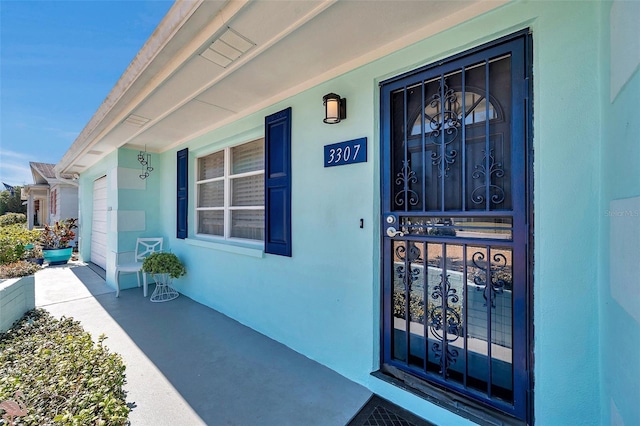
x=457, y=404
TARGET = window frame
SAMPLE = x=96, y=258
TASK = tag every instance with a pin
x=227, y=207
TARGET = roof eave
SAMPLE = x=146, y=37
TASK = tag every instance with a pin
x=175, y=18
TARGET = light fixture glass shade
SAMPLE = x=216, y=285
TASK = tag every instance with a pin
x=334, y=108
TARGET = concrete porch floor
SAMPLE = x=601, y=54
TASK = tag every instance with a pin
x=188, y=364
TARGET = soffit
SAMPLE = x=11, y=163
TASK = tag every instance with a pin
x=296, y=45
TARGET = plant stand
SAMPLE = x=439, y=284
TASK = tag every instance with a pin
x=163, y=291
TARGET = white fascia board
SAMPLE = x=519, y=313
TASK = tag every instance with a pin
x=173, y=21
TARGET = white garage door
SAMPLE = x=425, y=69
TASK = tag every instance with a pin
x=99, y=223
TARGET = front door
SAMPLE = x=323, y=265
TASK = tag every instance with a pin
x=455, y=223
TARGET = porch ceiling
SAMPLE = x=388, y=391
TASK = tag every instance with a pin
x=177, y=88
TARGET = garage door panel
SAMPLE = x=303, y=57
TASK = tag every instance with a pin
x=99, y=226
x=99, y=223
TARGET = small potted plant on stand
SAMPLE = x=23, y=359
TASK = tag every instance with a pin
x=56, y=241
x=164, y=267
x=33, y=253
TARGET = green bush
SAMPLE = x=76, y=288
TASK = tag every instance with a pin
x=12, y=219
x=21, y=268
x=13, y=239
x=164, y=263
x=65, y=377
x=418, y=312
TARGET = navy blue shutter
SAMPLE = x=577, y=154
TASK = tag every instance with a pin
x=182, y=193
x=278, y=183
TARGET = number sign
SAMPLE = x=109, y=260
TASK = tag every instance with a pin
x=349, y=152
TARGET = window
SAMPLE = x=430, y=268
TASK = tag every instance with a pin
x=242, y=192
x=475, y=111
x=230, y=192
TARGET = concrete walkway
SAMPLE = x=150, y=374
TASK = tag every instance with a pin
x=190, y=365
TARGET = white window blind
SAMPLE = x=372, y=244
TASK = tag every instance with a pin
x=230, y=192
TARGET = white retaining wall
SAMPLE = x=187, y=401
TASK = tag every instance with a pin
x=17, y=296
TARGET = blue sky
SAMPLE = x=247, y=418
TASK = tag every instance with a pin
x=58, y=62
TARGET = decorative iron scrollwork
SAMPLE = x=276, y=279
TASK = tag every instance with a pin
x=494, y=269
x=405, y=178
x=444, y=128
x=445, y=323
x=407, y=279
x=496, y=193
x=411, y=256
x=414, y=253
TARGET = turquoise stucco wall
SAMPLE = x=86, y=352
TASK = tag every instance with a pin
x=137, y=206
x=132, y=208
x=566, y=175
x=139, y=195
x=324, y=301
x=329, y=278
x=620, y=156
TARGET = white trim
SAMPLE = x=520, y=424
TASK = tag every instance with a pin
x=177, y=17
x=247, y=249
x=139, y=82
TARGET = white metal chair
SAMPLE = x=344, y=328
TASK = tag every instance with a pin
x=131, y=261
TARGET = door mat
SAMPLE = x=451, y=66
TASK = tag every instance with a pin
x=380, y=412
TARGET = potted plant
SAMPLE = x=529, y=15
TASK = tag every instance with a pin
x=164, y=267
x=56, y=241
x=33, y=253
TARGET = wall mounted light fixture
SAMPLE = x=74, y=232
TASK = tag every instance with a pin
x=144, y=158
x=335, y=108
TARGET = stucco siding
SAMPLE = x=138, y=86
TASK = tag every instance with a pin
x=67, y=201
x=619, y=210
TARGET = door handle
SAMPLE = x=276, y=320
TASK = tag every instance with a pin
x=393, y=232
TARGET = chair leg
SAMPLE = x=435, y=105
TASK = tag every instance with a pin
x=117, y=283
x=138, y=277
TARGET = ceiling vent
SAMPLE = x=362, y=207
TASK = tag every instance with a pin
x=137, y=120
x=227, y=48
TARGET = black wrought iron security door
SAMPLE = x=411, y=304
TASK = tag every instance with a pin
x=454, y=222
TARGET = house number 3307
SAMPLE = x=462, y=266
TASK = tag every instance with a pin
x=354, y=151
x=337, y=155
